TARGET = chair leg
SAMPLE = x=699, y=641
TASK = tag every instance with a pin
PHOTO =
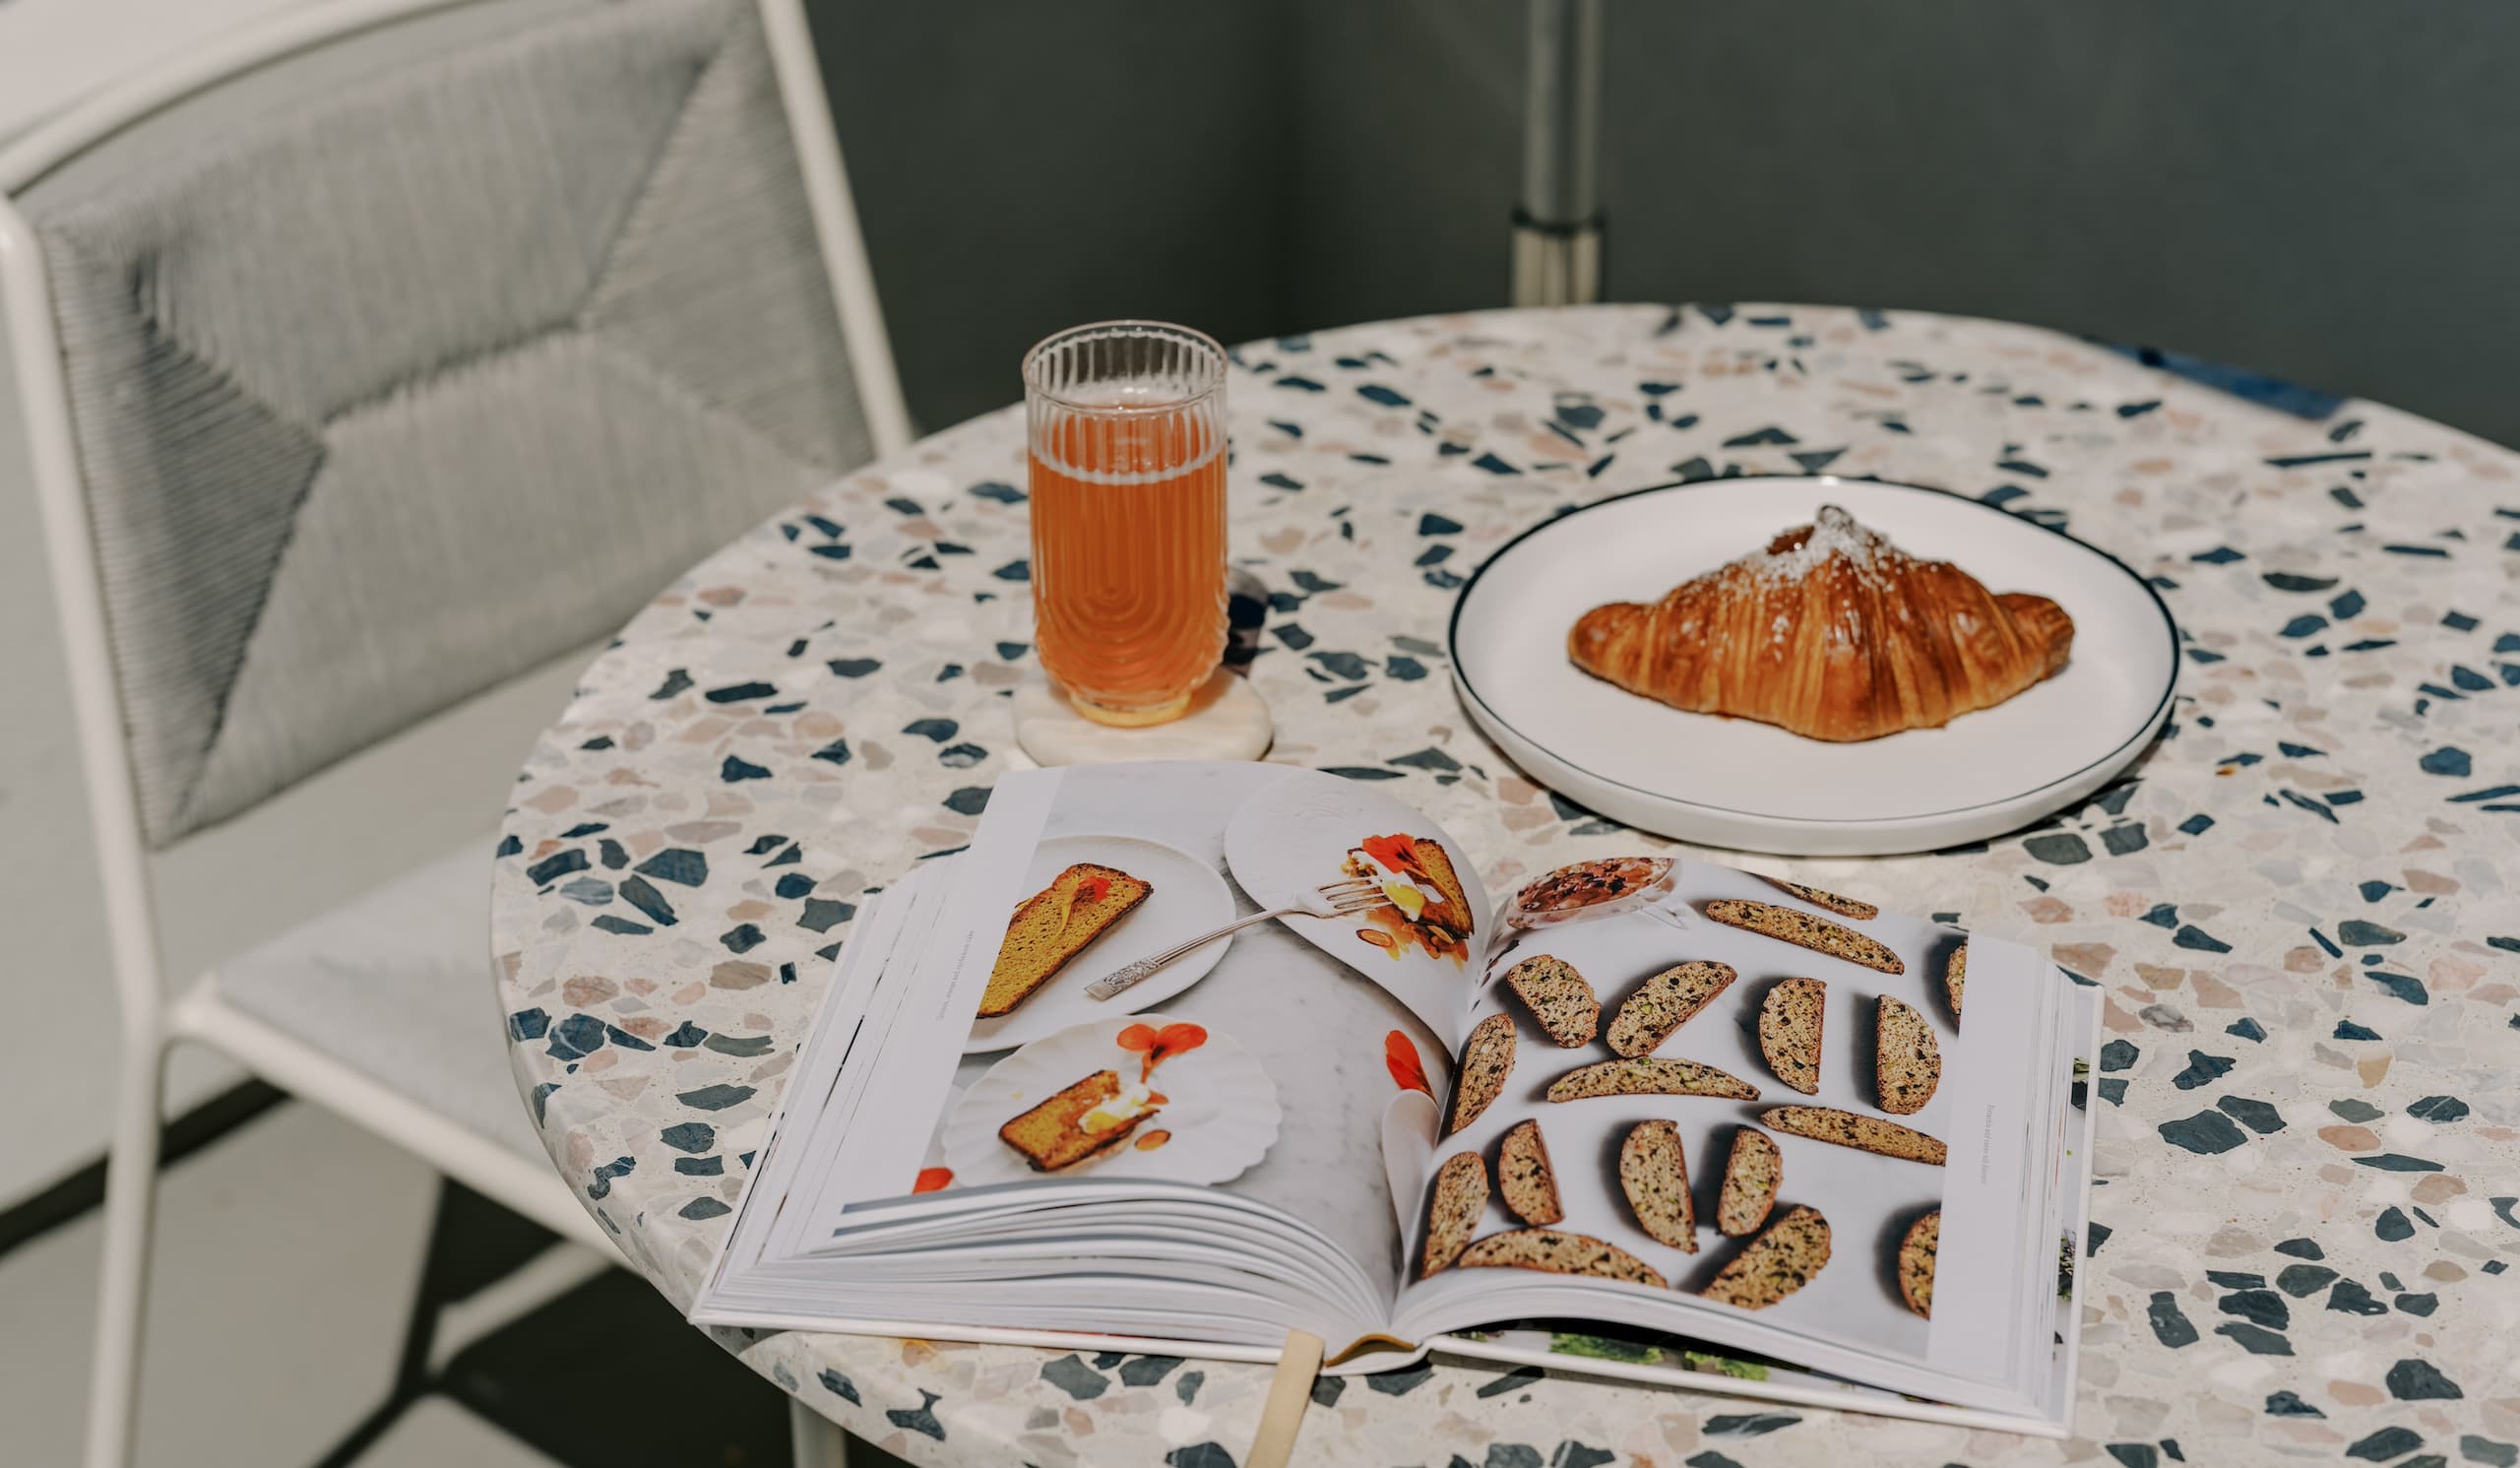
x=131, y=1199
x=817, y=1441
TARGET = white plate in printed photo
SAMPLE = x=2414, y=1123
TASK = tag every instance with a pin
x=1218, y=1116
x=1752, y=786
x=1306, y=830
x=1186, y=898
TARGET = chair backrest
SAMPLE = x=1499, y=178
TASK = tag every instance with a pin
x=425, y=351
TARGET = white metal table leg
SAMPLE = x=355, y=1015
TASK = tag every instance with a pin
x=818, y=1442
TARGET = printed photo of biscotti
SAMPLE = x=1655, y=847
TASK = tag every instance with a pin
x=1553, y=1253
x=1055, y=924
x=1649, y=1077
x=1915, y=1263
x=1845, y=905
x=1525, y=1178
x=1907, y=1060
x=1805, y=930
x=1453, y=1207
x=1772, y=1266
x=1752, y=1173
x=1665, y=1003
x=1790, y=1022
x=1487, y=1058
x=1654, y=1173
x=1557, y=996
x=1823, y=1123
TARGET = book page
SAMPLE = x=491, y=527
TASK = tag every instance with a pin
x=1654, y=1358
x=1267, y=1063
x=1644, y=1042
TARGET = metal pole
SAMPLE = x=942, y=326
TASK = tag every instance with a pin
x=1557, y=227
x=815, y=1440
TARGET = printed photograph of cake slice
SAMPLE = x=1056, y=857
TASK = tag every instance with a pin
x=1145, y=1096
x=1088, y=904
x=1423, y=904
x=1097, y=1113
x=1307, y=832
x=1055, y=924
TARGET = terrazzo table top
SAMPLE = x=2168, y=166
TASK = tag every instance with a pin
x=2300, y=903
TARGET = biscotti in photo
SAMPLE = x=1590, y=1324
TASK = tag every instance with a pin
x=1915, y=1263
x=1845, y=905
x=1805, y=930
x=1665, y=1003
x=1772, y=1266
x=1823, y=1123
x=1649, y=1077
x=1557, y=996
x=1753, y=1172
x=1523, y=1176
x=1791, y=1020
x=1453, y=1207
x=1907, y=1060
x=1487, y=1058
x=1654, y=1173
x=1553, y=1253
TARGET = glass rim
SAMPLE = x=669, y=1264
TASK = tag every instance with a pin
x=1124, y=325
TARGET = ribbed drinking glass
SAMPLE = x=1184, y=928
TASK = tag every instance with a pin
x=1126, y=425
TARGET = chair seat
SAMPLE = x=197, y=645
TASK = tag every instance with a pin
x=398, y=984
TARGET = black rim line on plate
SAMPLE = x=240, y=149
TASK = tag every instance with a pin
x=2150, y=726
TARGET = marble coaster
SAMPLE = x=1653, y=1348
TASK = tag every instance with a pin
x=1226, y=720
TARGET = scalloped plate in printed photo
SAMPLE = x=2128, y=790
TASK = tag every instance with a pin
x=1217, y=1114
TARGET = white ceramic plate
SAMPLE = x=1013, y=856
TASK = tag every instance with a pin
x=1189, y=898
x=1220, y=1107
x=1734, y=783
x=1288, y=839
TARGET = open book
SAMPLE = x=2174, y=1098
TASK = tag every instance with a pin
x=1646, y=1117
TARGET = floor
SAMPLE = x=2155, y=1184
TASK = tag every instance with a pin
x=289, y=1254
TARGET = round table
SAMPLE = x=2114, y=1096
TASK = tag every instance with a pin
x=2299, y=902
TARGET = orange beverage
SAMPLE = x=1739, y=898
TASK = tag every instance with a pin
x=1126, y=425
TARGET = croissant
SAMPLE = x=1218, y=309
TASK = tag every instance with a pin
x=1831, y=632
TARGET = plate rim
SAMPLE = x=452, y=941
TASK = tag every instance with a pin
x=2149, y=727
x=1216, y=955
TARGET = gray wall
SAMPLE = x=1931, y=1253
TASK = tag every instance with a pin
x=1411, y=125
x=1022, y=166
x=2319, y=190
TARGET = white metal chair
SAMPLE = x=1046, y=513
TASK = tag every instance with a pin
x=371, y=359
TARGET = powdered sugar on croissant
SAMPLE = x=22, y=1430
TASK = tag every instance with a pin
x=1831, y=632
